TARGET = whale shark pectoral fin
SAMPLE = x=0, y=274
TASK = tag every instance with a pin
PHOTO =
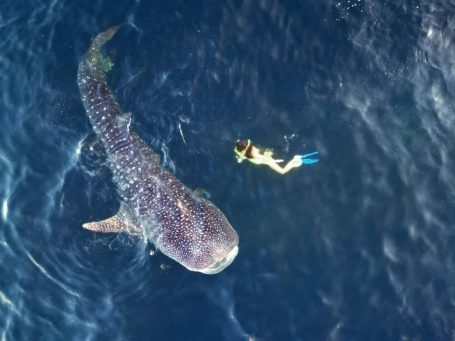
x=124, y=120
x=119, y=223
x=202, y=193
x=110, y=225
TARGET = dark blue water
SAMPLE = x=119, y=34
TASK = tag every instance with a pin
x=357, y=247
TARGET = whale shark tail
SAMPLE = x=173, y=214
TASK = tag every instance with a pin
x=94, y=57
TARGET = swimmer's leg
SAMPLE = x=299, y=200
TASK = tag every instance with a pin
x=277, y=168
x=294, y=163
x=299, y=160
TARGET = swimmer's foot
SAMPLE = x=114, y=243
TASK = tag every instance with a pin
x=295, y=162
x=299, y=160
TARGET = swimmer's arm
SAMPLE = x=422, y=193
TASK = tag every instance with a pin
x=277, y=168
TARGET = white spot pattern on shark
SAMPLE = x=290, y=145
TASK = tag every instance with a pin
x=185, y=227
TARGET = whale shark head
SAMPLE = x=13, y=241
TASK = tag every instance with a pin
x=201, y=239
x=221, y=264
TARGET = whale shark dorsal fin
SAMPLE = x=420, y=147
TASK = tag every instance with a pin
x=124, y=120
x=119, y=223
x=201, y=193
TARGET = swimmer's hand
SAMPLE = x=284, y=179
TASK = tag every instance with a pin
x=268, y=155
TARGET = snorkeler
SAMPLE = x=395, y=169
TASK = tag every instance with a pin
x=244, y=150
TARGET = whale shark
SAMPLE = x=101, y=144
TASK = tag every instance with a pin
x=154, y=204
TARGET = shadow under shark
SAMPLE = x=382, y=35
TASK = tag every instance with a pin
x=155, y=204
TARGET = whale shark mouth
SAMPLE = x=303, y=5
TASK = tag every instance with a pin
x=222, y=264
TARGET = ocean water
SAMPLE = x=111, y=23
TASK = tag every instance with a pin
x=357, y=247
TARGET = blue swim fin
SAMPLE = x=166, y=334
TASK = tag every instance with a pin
x=307, y=160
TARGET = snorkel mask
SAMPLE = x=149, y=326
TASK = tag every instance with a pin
x=241, y=147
